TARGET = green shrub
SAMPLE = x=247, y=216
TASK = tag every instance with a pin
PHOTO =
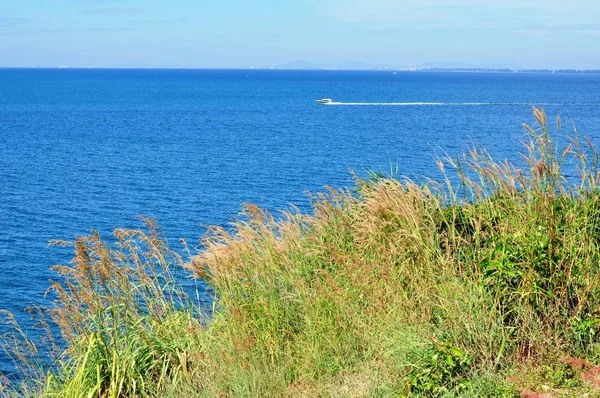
x=444, y=369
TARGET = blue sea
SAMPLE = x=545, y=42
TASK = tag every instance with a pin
x=82, y=149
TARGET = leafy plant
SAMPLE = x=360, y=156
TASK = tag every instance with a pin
x=443, y=370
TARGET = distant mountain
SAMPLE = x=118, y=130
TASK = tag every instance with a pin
x=428, y=66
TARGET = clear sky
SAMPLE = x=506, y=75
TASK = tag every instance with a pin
x=264, y=33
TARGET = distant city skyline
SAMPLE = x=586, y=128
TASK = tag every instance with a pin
x=352, y=34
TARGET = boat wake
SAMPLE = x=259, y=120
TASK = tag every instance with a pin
x=439, y=104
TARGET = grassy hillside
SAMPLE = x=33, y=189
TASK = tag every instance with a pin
x=487, y=288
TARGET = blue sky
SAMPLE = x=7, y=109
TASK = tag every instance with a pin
x=264, y=33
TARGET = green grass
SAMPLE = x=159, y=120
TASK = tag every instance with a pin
x=388, y=289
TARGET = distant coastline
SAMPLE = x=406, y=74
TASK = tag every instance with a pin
x=502, y=70
x=458, y=70
x=374, y=69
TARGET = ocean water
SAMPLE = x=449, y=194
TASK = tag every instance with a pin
x=82, y=149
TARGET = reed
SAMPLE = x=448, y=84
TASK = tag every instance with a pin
x=391, y=288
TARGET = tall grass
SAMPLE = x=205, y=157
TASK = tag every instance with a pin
x=125, y=323
x=391, y=288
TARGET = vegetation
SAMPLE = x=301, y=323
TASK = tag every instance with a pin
x=389, y=289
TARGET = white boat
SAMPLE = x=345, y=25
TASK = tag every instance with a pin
x=324, y=101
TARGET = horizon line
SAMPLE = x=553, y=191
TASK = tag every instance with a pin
x=324, y=69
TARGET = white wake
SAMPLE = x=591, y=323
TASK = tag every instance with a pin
x=437, y=104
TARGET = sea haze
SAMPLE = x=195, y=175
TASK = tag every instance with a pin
x=82, y=149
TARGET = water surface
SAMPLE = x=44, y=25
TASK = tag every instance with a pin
x=83, y=149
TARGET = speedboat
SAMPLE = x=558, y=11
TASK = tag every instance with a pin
x=324, y=101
